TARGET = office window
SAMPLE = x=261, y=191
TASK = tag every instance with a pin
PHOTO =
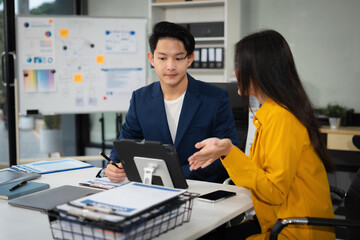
x=109, y=130
x=4, y=146
x=29, y=136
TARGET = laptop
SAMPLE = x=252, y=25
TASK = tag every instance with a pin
x=49, y=199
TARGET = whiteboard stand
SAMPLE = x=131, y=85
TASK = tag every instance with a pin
x=119, y=121
x=102, y=136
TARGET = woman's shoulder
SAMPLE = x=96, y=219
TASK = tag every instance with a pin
x=280, y=114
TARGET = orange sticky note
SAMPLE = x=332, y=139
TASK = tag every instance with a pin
x=77, y=77
x=64, y=33
x=100, y=59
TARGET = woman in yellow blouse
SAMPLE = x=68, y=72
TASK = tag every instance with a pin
x=286, y=167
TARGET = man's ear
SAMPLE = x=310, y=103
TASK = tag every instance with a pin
x=151, y=58
x=191, y=59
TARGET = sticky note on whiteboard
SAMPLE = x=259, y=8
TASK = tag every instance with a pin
x=100, y=59
x=77, y=77
x=64, y=33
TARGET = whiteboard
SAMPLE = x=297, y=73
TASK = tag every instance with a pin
x=79, y=64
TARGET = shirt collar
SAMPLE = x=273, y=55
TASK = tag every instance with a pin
x=263, y=111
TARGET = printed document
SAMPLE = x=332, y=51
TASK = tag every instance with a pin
x=128, y=199
x=44, y=167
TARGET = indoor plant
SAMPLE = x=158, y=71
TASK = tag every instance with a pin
x=335, y=112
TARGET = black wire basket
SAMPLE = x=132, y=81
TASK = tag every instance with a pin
x=146, y=225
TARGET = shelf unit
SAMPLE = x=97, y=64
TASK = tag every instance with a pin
x=227, y=11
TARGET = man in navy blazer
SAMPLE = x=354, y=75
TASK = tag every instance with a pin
x=178, y=109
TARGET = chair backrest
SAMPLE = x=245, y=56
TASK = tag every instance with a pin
x=352, y=206
x=356, y=141
x=241, y=117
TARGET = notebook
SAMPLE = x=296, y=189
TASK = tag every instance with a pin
x=30, y=187
x=10, y=176
x=49, y=199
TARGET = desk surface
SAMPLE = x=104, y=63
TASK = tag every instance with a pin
x=350, y=130
x=341, y=138
x=19, y=223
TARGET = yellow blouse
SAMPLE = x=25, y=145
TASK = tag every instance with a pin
x=285, y=175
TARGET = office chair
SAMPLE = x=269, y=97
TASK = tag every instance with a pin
x=352, y=214
x=241, y=117
x=356, y=141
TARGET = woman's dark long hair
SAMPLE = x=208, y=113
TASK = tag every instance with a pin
x=264, y=59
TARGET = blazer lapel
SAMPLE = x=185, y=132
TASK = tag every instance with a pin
x=190, y=105
x=159, y=114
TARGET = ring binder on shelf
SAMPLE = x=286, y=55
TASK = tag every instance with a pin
x=204, y=58
x=211, y=62
x=219, y=59
x=196, y=62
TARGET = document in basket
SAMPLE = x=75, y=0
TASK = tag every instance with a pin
x=127, y=200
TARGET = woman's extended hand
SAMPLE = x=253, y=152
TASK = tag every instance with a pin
x=211, y=150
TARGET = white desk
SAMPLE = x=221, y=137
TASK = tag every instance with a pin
x=341, y=138
x=19, y=223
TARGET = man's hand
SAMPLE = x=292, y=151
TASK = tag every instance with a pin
x=115, y=174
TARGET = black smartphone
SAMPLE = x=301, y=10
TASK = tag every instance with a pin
x=216, y=196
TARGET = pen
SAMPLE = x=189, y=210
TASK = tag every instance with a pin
x=17, y=186
x=109, y=160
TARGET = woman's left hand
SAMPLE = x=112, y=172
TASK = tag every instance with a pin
x=211, y=150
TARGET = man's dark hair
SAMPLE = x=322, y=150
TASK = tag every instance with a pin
x=171, y=30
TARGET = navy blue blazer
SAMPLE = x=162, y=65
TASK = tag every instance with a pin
x=205, y=113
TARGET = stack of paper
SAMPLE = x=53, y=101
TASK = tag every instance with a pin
x=128, y=199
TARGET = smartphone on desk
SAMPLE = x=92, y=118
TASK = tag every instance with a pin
x=216, y=196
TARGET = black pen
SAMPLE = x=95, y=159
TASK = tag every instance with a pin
x=109, y=160
x=18, y=185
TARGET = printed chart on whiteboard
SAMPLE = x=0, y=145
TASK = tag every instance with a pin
x=79, y=64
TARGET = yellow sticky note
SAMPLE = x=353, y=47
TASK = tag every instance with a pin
x=100, y=59
x=77, y=77
x=64, y=33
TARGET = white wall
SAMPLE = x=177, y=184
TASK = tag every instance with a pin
x=324, y=36
x=118, y=8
